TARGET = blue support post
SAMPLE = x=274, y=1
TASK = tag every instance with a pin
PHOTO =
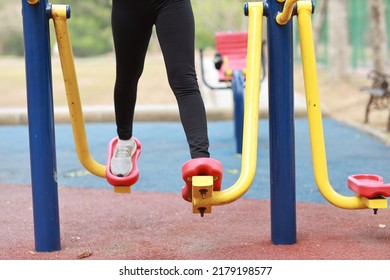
x=281, y=127
x=238, y=100
x=41, y=125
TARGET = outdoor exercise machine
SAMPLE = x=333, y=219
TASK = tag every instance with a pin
x=370, y=190
x=203, y=178
x=230, y=62
x=60, y=14
x=379, y=92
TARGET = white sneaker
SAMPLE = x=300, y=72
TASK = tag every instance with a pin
x=121, y=161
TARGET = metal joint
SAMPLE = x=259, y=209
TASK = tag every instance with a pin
x=33, y=2
x=48, y=10
x=289, y=9
x=60, y=10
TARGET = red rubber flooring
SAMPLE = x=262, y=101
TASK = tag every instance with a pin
x=100, y=225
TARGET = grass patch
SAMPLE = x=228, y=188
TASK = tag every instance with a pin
x=96, y=77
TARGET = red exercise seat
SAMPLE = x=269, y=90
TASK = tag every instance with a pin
x=368, y=185
x=233, y=48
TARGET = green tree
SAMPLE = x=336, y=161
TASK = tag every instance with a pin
x=217, y=15
x=90, y=24
x=11, y=38
x=379, y=40
x=89, y=27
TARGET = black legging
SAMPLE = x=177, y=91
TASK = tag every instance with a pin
x=132, y=22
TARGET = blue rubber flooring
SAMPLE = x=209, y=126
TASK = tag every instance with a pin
x=164, y=151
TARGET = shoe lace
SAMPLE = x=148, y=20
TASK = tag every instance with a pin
x=124, y=151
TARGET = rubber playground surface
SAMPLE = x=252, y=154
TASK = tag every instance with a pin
x=154, y=222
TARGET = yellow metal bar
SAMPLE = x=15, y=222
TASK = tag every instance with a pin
x=202, y=188
x=59, y=17
x=375, y=203
x=283, y=17
x=122, y=189
x=251, y=114
x=315, y=115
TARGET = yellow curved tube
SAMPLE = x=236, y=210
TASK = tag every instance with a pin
x=286, y=14
x=251, y=115
x=315, y=115
x=58, y=13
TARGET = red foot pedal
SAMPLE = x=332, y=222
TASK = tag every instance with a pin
x=368, y=185
x=201, y=166
x=130, y=179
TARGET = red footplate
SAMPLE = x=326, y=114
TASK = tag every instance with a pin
x=130, y=179
x=198, y=167
x=368, y=185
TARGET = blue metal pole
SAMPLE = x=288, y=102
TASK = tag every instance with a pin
x=281, y=127
x=41, y=126
x=238, y=98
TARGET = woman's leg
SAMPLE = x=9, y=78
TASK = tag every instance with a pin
x=132, y=24
x=176, y=33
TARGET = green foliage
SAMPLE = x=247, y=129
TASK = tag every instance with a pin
x=11, y=39
x=91, y=30
x=14, y=44
x=217, y=15
x=90, y=27
x=90, y=24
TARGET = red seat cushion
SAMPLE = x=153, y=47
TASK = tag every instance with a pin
x=233, y=48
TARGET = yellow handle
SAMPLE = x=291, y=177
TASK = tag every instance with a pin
x=283, y=17
x=314, y=113
x=59, y=17
x=251, y=113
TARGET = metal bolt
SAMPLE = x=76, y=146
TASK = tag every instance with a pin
x=203, y=193
x=201, y=211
